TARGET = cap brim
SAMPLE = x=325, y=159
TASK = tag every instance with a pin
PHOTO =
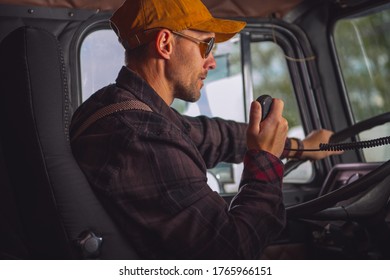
x=224, y=29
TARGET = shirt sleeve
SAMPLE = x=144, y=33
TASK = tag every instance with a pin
x=218, y=140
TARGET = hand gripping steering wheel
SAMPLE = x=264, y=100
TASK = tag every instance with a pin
x=366, y=195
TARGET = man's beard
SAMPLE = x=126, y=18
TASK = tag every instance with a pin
x=187, y=93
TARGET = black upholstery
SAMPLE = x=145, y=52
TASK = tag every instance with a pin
x=52, y=195
x=11, y=237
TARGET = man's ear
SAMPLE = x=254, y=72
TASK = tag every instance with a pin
x=164, y=43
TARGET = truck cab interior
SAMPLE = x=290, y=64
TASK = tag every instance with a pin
x=329, y=60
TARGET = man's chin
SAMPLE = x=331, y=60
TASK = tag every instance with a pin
x=191, y=99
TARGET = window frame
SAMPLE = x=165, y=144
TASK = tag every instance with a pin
x=304, y=76
x=97, y=22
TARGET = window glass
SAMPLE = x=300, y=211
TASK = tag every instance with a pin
x=270, y=76
x=101, y=57
x=363, y=44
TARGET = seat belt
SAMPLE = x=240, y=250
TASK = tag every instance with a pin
x=111, y=109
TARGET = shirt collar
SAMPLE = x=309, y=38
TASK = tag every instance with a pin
x=132, y=82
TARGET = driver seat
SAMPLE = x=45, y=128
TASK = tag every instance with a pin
x=60, y=215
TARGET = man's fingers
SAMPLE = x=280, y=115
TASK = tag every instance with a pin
x=254, y=118
x=277, y=107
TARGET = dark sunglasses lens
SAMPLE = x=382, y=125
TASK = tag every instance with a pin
x=210, y=46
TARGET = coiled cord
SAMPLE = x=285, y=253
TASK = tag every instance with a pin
x=355, y=145
x=349, y=146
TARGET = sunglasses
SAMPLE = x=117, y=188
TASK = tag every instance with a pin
x=205, y=46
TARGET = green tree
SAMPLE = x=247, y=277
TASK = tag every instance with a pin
x=271, y=76
x=362, y=46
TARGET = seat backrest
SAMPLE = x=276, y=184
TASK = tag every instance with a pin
x=11, y=237
x=58, y=209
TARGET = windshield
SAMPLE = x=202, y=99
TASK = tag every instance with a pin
x=363, y=45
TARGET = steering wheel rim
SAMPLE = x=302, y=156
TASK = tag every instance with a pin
x=323, y=206
x=341, y=135
x=316, y=205
x=359, y=127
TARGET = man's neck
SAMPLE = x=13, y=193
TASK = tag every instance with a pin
x=153, y=73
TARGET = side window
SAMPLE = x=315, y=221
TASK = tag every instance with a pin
x=101, y=57
x=362, y=45
x=270, y=75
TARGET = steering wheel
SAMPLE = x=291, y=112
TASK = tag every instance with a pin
x=376, y=183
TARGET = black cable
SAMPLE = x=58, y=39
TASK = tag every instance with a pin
x=348, y=146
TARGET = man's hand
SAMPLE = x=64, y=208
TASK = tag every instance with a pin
x=269, y=135
x=313, y=140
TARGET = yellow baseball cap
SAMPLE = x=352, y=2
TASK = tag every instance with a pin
x=134, y=17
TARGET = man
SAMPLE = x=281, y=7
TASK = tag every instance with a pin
x=148, y=164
